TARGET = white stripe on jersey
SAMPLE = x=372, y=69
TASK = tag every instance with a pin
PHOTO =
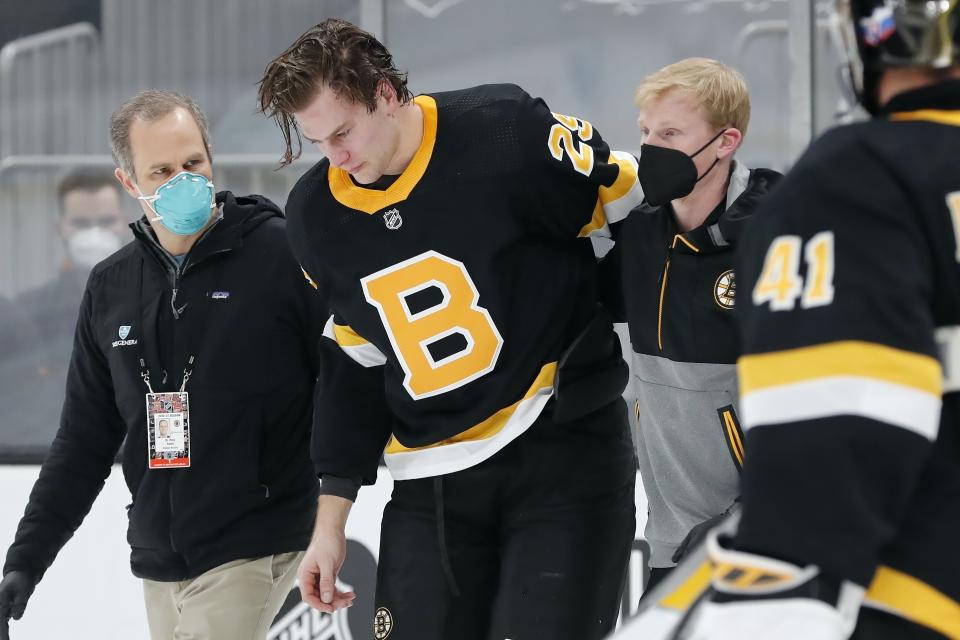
x=891, y=403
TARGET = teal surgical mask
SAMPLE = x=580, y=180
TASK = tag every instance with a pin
x=183, y=204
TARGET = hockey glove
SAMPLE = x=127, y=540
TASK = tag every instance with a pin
x=754, y=597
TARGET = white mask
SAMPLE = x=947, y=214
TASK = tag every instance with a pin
x=88, y=247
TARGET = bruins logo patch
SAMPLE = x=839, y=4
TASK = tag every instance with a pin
x=382, y=623
x=725, y=290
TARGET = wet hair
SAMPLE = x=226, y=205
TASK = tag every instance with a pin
x=334, y=54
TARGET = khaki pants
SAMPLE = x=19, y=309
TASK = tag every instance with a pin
x=235, y=601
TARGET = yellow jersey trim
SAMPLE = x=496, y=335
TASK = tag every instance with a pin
x=626, y=181
x=940, y=116
x=915, y=600
x=597, y=221
x=684, y=241
x=492, y=425
x=347, y=337
x=372, y=200
x=845, y=358
x=684, y=596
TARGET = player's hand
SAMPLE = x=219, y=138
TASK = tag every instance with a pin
x=318, y=571
x=15, y=589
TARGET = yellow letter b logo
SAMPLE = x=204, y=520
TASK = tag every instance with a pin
x=443, y=339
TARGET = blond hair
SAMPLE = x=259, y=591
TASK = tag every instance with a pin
x=720, y=90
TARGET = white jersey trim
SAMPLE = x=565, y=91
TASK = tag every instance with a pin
x=457, y=456
x=894, y=404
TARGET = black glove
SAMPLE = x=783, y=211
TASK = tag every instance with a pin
x=696, y=535
x=15, y=589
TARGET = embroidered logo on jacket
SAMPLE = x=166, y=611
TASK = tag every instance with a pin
x=382, y=623
x=123, y=332
x=725, y=290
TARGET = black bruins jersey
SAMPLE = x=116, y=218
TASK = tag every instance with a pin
x=850, y=309
x=455, y=290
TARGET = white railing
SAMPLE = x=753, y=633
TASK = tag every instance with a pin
x=49, y=88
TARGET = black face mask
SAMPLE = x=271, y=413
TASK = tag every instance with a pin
x=667, y=174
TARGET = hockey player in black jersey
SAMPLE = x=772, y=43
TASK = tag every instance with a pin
x=448, y=232
x=850, y=309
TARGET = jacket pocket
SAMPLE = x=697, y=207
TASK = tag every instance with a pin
x=732, y=434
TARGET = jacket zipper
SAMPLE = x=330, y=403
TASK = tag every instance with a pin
x=663, y=283
x=174, y=273
x=173, y=544
x=663, y=290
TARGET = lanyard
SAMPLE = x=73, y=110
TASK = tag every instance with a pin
x=187, y=371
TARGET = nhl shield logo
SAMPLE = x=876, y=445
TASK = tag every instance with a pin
x=392, y=219
x=725, y=290
x=124, y=331
x=382, y=623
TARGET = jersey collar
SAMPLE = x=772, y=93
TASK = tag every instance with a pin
x=347, y=193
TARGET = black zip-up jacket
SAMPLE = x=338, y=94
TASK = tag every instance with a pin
x=676, y=291
x=250, y=490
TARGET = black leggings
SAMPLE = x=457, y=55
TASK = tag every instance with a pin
x=536, y=539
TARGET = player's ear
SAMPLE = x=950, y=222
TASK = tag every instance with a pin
x=386, y=91
x=730, y=141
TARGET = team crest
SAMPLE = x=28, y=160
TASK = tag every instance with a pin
x=392, y=219
x=382, y=623
x=725, y=290
x=124, y=332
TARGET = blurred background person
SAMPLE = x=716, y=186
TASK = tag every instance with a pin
x=93, y=226
x=39, y=323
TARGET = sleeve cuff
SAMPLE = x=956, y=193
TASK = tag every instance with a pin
x=338, y=486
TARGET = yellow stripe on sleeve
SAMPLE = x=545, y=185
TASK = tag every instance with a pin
x=915, y=600
x=626, y=178
x=347, y=337
x=597, y=222
x=840, y=359
x=615, y=202
x=939, y=116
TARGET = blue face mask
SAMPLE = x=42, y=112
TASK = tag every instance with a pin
x=183, y=203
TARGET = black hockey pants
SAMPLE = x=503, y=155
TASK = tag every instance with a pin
x=532, y=543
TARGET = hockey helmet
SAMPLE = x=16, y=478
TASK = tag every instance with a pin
x=879, y=34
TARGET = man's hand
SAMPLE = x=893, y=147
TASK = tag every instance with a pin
x=15, y=589
x=321, y=564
